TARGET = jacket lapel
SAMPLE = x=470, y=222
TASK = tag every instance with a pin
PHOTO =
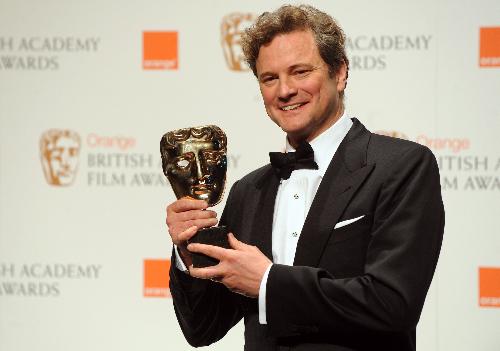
x=262, y=224
x=346, y=172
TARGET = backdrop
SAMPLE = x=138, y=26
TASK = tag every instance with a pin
x=87, y=89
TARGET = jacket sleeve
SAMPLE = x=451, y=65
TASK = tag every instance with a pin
x=401, y=257
x=205, y=310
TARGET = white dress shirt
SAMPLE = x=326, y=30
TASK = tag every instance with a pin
x=294, y=198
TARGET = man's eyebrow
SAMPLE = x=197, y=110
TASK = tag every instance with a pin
x=300, y=65
x=307, y=66
x=290, y=69
x=266, y=74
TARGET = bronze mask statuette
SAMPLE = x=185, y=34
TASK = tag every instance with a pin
x=194, y=161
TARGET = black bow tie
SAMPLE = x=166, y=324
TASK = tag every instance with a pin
x=285, y=163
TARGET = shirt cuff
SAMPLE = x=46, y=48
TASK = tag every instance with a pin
x=262, y=296
x=179, y=263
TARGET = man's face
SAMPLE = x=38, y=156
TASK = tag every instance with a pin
x=300, y=95
x=63, y=160
x=198, y=170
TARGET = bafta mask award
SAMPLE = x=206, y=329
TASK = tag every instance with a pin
x=195, y=163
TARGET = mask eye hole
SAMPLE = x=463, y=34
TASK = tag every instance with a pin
x=182, y=163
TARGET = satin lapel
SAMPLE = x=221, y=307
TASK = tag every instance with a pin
x=346, y=172
x=261, y=233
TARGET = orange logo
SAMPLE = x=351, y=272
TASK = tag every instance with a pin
x=156, y=279
x=59, y=151
x=489, y=287
x=232, y=27
x=159, y=50
x=392, y=133
x=489, y=47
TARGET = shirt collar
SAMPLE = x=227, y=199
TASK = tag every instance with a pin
x=326, y=144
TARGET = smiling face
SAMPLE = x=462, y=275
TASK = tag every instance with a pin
x=300, y=94
x=194, y=161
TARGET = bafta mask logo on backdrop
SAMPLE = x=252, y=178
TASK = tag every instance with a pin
x=232, y=27
x=156, y=278
x=59, y=151
x=160, y=50
x=489, y=287
x=489, y=47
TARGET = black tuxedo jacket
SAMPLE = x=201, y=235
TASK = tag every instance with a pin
x=358, y=287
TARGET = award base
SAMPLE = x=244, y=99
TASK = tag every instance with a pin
x=216, y=236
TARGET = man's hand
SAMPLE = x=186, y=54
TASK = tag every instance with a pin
x=184, y=217
x=240, y=269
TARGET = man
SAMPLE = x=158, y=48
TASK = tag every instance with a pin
x=336, y=256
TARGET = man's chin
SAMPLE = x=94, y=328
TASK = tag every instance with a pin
x=298, y=132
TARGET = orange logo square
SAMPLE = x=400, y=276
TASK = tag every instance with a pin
x=489, y=287
x=159, y=50
x=156, y=279
x=489, y=47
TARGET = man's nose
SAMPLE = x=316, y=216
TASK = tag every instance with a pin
x=286, y=88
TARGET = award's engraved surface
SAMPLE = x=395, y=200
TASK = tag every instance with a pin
x=195, y=162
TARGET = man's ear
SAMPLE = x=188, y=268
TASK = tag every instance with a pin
x=341, y=77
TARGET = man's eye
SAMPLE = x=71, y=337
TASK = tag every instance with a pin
x=302, y=72
x=268, y=80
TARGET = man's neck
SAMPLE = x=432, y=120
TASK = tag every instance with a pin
x=295, y=140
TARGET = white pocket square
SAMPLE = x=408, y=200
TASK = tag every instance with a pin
x=347, y=221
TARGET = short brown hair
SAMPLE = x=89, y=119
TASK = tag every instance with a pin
x=328, y=35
